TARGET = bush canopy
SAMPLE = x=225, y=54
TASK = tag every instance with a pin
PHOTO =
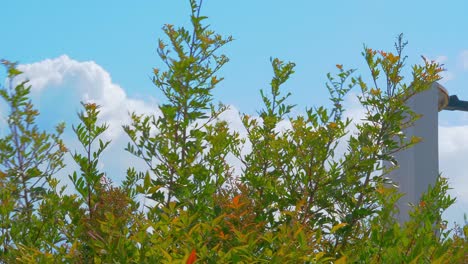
x=294, y=199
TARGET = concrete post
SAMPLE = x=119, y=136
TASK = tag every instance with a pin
x=418, y=167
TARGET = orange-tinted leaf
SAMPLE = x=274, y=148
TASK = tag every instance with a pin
x=222, y=235
x=392, y=58
x=192, y=258
x=214, y=80
x=380, y=190
x=332, y=125
x=161, y=45
x=235, y=201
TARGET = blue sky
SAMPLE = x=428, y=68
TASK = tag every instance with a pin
x=120, y=37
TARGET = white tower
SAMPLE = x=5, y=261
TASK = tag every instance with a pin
x=418, y=167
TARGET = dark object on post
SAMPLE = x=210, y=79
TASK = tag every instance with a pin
x=456, y=104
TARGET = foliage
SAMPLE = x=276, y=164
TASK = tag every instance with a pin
x=294, y=200
x=29, y=159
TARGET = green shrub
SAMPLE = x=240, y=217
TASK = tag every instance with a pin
x=294, y=201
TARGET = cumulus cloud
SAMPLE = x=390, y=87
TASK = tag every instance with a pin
x=453, y=155
x=66, y=82
x=233, y=118
x=58, y=86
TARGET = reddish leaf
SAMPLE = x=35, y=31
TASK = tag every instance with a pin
x=235, y=201
x=192, y=258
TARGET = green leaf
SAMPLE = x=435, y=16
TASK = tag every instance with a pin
x=337, y=227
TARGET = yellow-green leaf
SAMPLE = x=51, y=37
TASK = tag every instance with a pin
x=342, y=260
x=338, y=226
x=319, y=255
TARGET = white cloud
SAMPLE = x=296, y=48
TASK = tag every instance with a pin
x=446, y=75
x=87, y=82
x=441, y=59
x=233, y=118
x=58, y=86
x=453, y=157
x=464, y=59
x=353, y=108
